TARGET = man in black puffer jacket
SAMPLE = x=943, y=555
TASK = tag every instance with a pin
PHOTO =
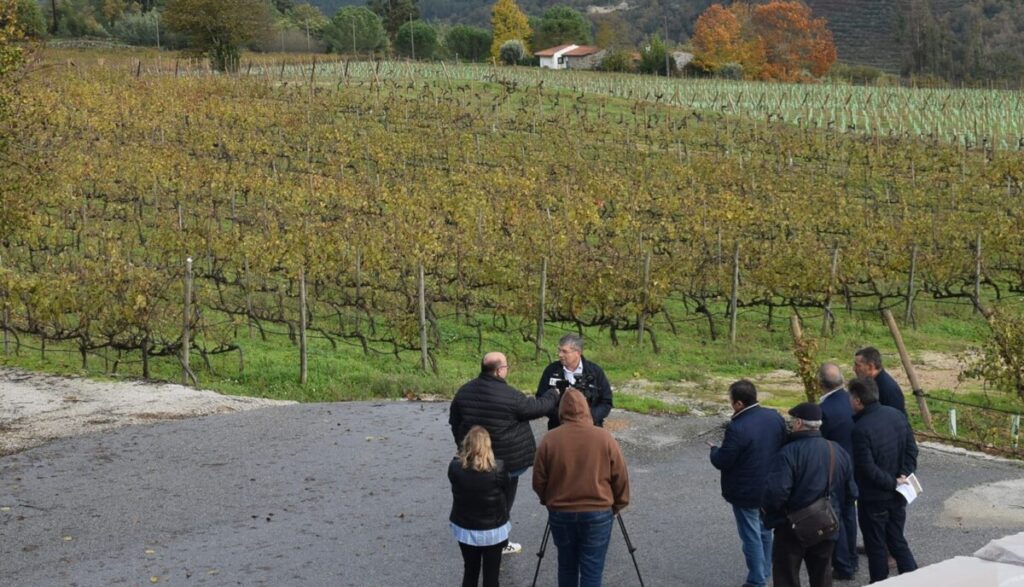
x=884, y=453
x=505, y=412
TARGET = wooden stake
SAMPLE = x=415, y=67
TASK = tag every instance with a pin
x=424, y=354
x=539, y=348
x=733, y=300
x=186, y=323
x=908, y=315
x=829, y=317
x=303, y=363
x=977, y=274
x=640, y=319
x=926, y=416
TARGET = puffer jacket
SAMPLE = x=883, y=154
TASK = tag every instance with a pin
x=478, y=497
x=505, y=412
x=883, y=449
x=799, y=476
x=751, y=442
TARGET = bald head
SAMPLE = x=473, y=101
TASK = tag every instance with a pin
x=830, y=376
x=494, y=363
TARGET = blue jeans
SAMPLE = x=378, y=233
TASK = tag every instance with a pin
x=582, y=541
x=757, y=545
x=844, y=557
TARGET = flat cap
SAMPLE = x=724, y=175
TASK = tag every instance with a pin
x=807, y=411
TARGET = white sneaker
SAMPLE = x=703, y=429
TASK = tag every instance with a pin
x=512, y=548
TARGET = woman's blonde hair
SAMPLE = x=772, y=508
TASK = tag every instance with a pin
x=476, y=453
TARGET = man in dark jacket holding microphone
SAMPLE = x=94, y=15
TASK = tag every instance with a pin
x=573, y=370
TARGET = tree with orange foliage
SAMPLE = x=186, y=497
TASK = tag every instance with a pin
x=796, y=44
x=723, y=35
x=775, y=41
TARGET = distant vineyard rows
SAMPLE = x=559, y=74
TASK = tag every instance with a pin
x=351, y=188
x=978, y=119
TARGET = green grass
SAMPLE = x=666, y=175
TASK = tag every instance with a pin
x=345, y=373
x=646, y=405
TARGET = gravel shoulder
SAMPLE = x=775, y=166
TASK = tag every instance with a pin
x=37, y=408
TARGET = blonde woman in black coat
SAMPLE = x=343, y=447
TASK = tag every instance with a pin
x=479, y=518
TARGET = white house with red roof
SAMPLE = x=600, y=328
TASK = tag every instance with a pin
x=570, y=57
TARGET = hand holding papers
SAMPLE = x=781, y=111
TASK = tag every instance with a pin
x=909, y=487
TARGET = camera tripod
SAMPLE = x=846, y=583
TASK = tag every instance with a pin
x=625, y=536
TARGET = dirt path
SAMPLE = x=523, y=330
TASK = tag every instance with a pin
x=36, y=408
x=934, y=371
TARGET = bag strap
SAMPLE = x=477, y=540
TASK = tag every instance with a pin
x=831, y=467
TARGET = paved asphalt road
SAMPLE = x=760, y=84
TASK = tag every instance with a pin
x=356, y=494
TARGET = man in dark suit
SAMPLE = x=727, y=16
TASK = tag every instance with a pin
x=884, y=454
x=837, y=426
x=573, y=370
x=752, y=439
x=867, y=362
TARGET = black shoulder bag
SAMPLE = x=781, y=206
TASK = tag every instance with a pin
x=816, y=522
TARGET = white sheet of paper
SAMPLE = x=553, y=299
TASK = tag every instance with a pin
x=910, y=490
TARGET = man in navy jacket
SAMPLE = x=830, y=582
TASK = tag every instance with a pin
x=837, y=426
x=868, y=363
x=752, y=439
x=806, y=467
x=884, y=453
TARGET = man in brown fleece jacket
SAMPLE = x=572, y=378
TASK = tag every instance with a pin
x=579, y=473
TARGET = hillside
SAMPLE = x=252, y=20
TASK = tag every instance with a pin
x=866, y=31
x=960, y=40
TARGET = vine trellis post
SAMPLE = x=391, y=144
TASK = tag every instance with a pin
x=539, y=346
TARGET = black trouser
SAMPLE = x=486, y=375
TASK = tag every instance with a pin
x=788, y=554
x=472, y=556
x=881, y=524
x=510, y=492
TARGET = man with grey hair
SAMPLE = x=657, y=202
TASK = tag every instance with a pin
x=807, y=468
x=837, y=426
x=573, y=370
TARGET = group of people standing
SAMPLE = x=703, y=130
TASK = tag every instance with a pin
x=579, y=472
x=856, y=446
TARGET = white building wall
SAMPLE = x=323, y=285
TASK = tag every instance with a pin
x=549, y=62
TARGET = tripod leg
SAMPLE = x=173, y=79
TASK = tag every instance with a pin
x=630, y=547
x=540, y=553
